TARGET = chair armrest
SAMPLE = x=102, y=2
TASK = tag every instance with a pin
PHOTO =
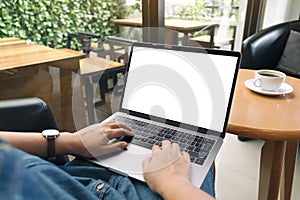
x=27, y=115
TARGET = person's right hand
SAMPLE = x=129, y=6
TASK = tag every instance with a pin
x=166, y=165
x=167, y=173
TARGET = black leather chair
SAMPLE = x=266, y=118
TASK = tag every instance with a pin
x=27, y=115
x=264, y=49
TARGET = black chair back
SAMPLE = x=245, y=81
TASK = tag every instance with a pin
x=27, y=115
x=264, y=48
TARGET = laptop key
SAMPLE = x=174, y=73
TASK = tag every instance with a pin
x=176, y=139
x=168, y=137
x=141, y=143
x=193, y=159
x=190, y=148
x=199, y=161
x=160, y=138
x=147, y=135
x=183, y=140
x=151, y=142
x=161, y=134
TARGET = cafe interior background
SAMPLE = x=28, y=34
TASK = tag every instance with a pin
x=23, y=20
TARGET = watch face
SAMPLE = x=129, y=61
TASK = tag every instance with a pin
x=50, y=132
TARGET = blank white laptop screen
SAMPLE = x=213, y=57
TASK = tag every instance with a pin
x=189, y=87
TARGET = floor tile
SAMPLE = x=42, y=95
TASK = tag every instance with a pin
x=237, y=170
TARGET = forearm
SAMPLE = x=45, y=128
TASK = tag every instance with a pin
x=88, y=142
x=36, y=144
x=184, y=190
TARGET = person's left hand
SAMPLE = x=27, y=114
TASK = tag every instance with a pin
x=93, y=140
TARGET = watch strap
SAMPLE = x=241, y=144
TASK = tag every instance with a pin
x=51, y=148
x=50, y=135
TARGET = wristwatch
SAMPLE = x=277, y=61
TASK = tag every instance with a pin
x=51, y=135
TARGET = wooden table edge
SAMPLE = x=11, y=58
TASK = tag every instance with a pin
x=264, y=134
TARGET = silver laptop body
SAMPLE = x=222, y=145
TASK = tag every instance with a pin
x=182, y=91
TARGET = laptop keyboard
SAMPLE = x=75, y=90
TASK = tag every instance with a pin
x=147, y=135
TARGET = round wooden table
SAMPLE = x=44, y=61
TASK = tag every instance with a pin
x=275, y=119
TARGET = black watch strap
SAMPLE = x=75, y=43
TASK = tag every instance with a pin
x=50, y=135
x=51, y=148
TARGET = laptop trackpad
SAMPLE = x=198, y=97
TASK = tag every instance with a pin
x=128, y=161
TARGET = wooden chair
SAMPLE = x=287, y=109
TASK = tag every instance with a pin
x=93, y=69
x=215, y=39
x=85, y=40
x=96, y=69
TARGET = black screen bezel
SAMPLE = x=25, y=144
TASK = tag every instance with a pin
x=190, y=49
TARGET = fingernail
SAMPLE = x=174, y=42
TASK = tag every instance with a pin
x=124, y=145
x=128, y=132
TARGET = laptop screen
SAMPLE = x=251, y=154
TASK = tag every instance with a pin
x=182, y=84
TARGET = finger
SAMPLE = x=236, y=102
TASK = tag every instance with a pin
x=155, y=148
x=114, y=147
x=176, y=147
x=186, y=156
x=120, y=125
x=116, y=133
x=165, y=143
x=106, y=124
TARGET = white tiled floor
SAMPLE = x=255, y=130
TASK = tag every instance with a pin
x=237, y=170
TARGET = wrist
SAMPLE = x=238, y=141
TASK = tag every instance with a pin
x=183, y=188
x=64, y=143
x=166, y=188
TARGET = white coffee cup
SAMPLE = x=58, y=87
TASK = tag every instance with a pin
x=268, y=80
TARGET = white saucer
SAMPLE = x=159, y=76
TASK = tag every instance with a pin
x=284, y=88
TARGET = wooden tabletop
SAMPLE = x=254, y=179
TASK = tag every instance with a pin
x=175, y=24
x=16, y=53
x=94, y=65
x=265, y=117
x=31, y=77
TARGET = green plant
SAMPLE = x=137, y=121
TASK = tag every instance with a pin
x=137, y=6
x=194, y=11
x=208, y=9
x=48, y=22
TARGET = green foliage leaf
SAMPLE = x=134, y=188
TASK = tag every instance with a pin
x=48, y=22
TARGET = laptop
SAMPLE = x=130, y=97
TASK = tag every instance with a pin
x=179, y=93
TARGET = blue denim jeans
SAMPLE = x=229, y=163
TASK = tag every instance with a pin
x=23, y=176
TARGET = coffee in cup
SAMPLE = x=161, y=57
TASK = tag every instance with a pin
x=268, y=80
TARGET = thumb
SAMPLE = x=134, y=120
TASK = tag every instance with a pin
x=186, y=156
x=146, y=164
x=114, y=147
